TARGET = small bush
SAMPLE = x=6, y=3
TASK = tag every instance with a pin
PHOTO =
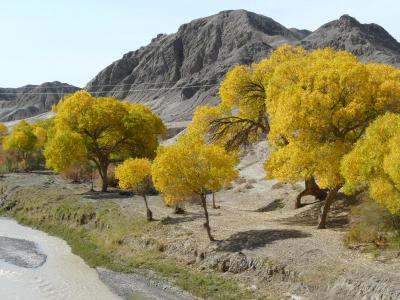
x=13, y=161
x=78, y=173
x=373, y=225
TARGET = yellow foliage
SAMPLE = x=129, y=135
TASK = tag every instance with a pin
x=245, y=87
x=64, y=149
x=319, y=104
x=109, y=121
x=41, y=136
x=133, y=172
x=21, y=139
x=375, y=162
x=109, y=129
x=191, y=167
x=3, y=129
x=203, y=116
x=241, y=117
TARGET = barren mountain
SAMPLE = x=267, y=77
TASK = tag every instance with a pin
x=31, y=100
x=177, y=72
x=300, y=33
x=370, y=42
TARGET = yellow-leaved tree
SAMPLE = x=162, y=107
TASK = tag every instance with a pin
x=192, y=167
x=319, y=106
x=375, y=162
x=3, y=155
x=105, y=128
x=241, y=118
x=3, y=130
x=22, y=140
x=134, y=174
x=198, y=130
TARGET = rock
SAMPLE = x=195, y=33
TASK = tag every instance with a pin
x=235, y=263
x=21, y=253
x=248, y=186
x=253, y=287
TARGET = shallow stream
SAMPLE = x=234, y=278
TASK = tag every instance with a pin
x=44, y=269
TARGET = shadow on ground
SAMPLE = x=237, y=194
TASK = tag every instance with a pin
x=104, y=195
x=252, y=239
x=338, y=217
x=42, y=172
x=181, y=219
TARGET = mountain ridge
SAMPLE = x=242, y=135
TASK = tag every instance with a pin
x=194, y=59
x=176, y=72
x=370, y=42
x=30, y=100
x=226, y=39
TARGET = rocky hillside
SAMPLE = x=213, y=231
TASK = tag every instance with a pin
x=31, y=100
x=184, y=68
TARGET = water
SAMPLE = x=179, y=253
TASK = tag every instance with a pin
x=63, y=275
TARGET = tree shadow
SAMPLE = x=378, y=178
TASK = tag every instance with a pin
x=274, y=205
x=252, y=239
x=338, y=216
x=41, y=172
x=181, y=219
x=310, y=203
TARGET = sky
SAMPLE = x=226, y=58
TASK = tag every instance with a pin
x=71, y=41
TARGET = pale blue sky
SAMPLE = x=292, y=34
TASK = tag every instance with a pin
x=71, y=41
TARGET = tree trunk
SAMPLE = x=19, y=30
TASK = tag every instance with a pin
x=298, y=198
x=311, y=189
x=207, y=223
x=325, y=209
x=104, y=184
x=104, y=177
x=213, y=201
x=91, y=182
x=149, y=213
x=179, y=210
